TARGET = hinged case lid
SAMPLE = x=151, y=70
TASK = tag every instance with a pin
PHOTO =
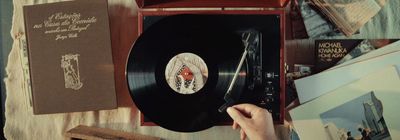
x=210, y=3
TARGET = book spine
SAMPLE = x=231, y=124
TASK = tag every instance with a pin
x=26, y=66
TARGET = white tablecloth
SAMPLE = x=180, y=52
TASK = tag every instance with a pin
x=22, y=124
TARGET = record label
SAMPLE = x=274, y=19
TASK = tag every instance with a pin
x=186, y=73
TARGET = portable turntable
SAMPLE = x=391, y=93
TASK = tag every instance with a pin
x=188, y=65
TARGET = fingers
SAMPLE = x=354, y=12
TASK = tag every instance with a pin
x=237, y=116
x=247, y=109
x=234, y=125
x=242, y=134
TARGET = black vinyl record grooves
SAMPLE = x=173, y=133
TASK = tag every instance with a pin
x=179, y=70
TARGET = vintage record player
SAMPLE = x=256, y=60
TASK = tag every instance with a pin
x=259, y=24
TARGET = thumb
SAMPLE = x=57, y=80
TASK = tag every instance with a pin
x=237, y=116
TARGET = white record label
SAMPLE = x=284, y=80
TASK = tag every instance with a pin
x=186, y=73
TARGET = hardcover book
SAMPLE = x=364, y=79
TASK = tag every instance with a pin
x=70, y=61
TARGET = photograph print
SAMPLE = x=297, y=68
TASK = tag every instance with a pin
x=359, y=119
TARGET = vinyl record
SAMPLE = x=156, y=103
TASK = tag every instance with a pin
x=179, y=69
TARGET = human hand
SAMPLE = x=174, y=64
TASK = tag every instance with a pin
x=255, y=123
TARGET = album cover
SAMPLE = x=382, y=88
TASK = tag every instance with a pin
x=347, y=72
x=364, y=47
x=69, y=50
x=364, y=109
x=329, y=52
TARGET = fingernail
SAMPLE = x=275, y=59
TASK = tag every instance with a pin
x=229, y=109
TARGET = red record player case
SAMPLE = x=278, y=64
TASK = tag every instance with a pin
x=246, y=7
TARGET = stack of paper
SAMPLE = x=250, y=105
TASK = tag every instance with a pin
x=357, y=99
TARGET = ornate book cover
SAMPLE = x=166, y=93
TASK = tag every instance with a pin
x=70, y=61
